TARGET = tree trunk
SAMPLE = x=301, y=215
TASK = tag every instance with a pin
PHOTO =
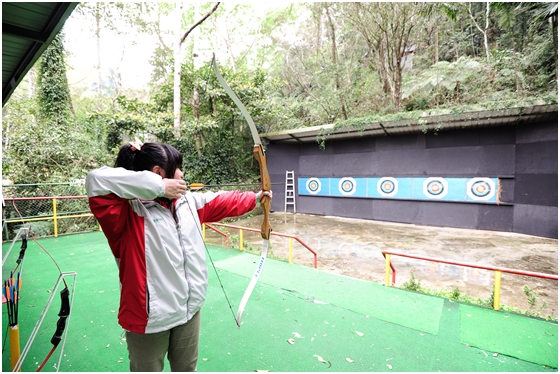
x=196, y=64
x=436, y=59
x=554, y=22
x=98, y=39
x=177, y=74
x=196, y=39
x=335, y=63
x=485, y=31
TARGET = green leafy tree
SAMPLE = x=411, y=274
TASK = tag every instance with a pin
x=53, y=95
x=45, y=142
x=40, y=149
x=224, y=154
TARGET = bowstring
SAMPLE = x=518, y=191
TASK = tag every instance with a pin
x=211, y=261
x=37, y=242
x=198, y=228
x=57, y=266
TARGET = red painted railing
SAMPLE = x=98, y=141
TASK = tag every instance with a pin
x=496, y=269
x=224, y=234
x=241, y=229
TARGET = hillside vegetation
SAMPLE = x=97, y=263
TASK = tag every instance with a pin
x=304, y=64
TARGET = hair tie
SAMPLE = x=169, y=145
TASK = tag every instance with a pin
x=136, y=145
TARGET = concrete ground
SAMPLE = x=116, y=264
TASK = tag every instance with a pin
x=353, y=247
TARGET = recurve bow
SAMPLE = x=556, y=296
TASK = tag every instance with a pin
x=259, y=154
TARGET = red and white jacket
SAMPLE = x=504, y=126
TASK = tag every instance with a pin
x=159, y=250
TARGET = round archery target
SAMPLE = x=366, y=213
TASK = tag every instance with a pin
x=313, y=186
x=347, y=186
x=481, y=188
x=387, y=186
x=435, y=188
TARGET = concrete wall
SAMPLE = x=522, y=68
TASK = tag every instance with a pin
x=523, y=157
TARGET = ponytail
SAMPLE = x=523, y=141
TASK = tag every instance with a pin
x=150, y=155
x=125, y=157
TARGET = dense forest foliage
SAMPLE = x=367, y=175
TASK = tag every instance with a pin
x=304, y=64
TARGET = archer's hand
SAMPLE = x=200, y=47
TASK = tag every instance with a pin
x=265, y=193
x=174, y=188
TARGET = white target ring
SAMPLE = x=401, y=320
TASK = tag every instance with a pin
x=347, y=186
x=313, y=186
x=481, y=189
x=435, y=188
x=387, y=186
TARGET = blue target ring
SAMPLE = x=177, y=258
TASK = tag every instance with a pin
x=313, y=186
x=435, y=188
x=481, y=189
x=347, y=186
x=387, y=186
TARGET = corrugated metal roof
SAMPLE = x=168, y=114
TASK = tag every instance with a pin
x=27, y=30
x=475, y=119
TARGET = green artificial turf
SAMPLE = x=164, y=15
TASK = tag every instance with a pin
x=336, y=323
x=509, y=334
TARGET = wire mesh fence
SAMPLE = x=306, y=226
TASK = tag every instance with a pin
x=50, y=209
x=53, y=209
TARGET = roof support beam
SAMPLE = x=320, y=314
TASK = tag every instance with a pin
x=24, y=33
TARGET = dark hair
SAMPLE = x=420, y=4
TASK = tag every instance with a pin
x=150, y=155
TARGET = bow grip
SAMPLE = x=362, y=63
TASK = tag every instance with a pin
x=23, y=248
x=258, y=153
x=63, y=314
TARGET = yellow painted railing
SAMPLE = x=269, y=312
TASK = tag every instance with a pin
x=55, y=217
x=497, y=271
x=273, y=233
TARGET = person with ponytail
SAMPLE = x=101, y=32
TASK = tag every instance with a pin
x=153, y=227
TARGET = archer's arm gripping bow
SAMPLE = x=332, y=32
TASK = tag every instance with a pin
x=258, y=153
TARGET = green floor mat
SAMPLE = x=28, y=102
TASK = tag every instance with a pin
x=408, y=309
x=93, y=342
x=509, y=334
x=327, y=337
x=336, y=323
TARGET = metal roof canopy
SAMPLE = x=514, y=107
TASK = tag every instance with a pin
x=485, y=118
x=27, y=30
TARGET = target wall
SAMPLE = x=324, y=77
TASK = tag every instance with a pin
x=502, y=177
x=476, y=189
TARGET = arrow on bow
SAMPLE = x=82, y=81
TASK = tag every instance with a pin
x=258, y=153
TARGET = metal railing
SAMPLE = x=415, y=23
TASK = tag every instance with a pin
x=273, y=233
x=24, y=211
x=497, y=271
x=56, y=209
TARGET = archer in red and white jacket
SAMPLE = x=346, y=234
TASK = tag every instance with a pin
x=159, y=249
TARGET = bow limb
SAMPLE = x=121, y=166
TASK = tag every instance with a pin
x=63, y=314
x=60, y=325
x=258, y=153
